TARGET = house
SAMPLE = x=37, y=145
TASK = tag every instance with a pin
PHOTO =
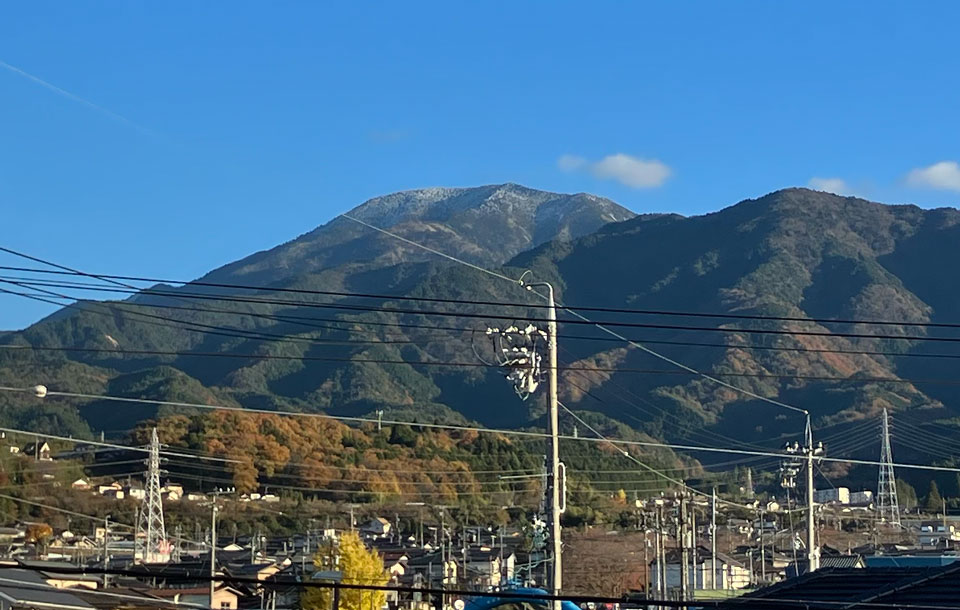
x=109, y=488
x=26, y=589
x=378, y=527
x=224, y=597
x=81, y=484
x=434, y=568
x=859, y=589
x=57, y=574
x=134, y=492
x=483, y=566
x=827, y=561
x=195, y=497
x=834, y=495
x=938, y=534
x=731, y=574
x=40, y=452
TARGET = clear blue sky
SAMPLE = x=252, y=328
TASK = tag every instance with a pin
x=169, y=138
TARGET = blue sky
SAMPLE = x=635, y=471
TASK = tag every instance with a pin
x=169, y=138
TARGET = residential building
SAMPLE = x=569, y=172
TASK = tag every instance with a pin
x=834, y=495
x=731, y=574
x=40, y=452
x=26, y=589
x=859, y=589
x=378, y=528
x=938, y=534
x=224, y=598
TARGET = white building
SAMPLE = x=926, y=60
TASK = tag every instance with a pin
x=938, y=535
x=834, y=495
x=731, y=574
x=378, y=527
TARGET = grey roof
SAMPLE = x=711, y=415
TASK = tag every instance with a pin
x=858, y=588
x=26, y=588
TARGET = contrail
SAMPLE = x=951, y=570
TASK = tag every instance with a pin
x=74, y=97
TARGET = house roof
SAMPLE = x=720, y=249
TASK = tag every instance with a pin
x=48, y=569
x=27, y=588
x=114, y=597
x=858, y=588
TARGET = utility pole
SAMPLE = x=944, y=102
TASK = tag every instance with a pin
x=106, y=549
x=693, y=545
x=555, y=506
x=713, y=539
x=379, y=420
x=524, y=362
x=213, y=550
x=813, y=553
x=682, y=540
x=658, y=552
x=763, y=562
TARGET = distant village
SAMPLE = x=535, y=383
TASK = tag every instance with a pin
x=745, y=551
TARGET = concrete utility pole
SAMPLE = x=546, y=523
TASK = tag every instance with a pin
x=693, y=545
x=763, y=557
x=713, y=539
x=517, y=350
x=658, y=552
x=682, y=540
x=106, y=549
x=813, y=553
x=213, y=551
x=555, y=505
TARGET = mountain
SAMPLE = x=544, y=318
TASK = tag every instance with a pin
x=795, y=253
x=485, y=225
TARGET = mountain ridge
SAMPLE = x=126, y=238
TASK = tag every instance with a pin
x=793, y=252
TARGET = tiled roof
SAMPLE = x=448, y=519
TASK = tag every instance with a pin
x=27, y=588
x=857, y=588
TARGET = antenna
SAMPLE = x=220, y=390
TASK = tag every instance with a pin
x=151, y=537
x=887, y=504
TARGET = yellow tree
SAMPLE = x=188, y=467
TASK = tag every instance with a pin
x=357, y=566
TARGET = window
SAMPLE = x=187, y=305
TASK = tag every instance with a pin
x=225, y=606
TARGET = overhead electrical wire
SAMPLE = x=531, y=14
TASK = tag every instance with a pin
x=579, y=319
x=653, y=312
x=310, y=322
x=464, y=364
x=463, y=428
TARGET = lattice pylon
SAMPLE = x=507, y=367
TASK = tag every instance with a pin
x=887, y=505
x=151, y=537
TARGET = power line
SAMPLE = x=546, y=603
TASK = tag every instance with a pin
x=579, y=318
x=650, y=312
x=310, y=322
x=463, y=428
x=445, y=363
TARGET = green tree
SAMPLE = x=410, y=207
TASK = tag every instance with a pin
x=934, y=502
x=358, y=566
x=906, y=495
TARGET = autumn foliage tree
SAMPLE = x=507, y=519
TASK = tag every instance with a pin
x=358, y=566
x=39, y=534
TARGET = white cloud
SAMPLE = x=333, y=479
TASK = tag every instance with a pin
x=838, y=186
x=627, y=170
x=944, y=175
x=570, y=163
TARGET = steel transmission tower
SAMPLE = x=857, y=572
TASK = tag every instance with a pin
x=151, y=536
x=887, y=504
